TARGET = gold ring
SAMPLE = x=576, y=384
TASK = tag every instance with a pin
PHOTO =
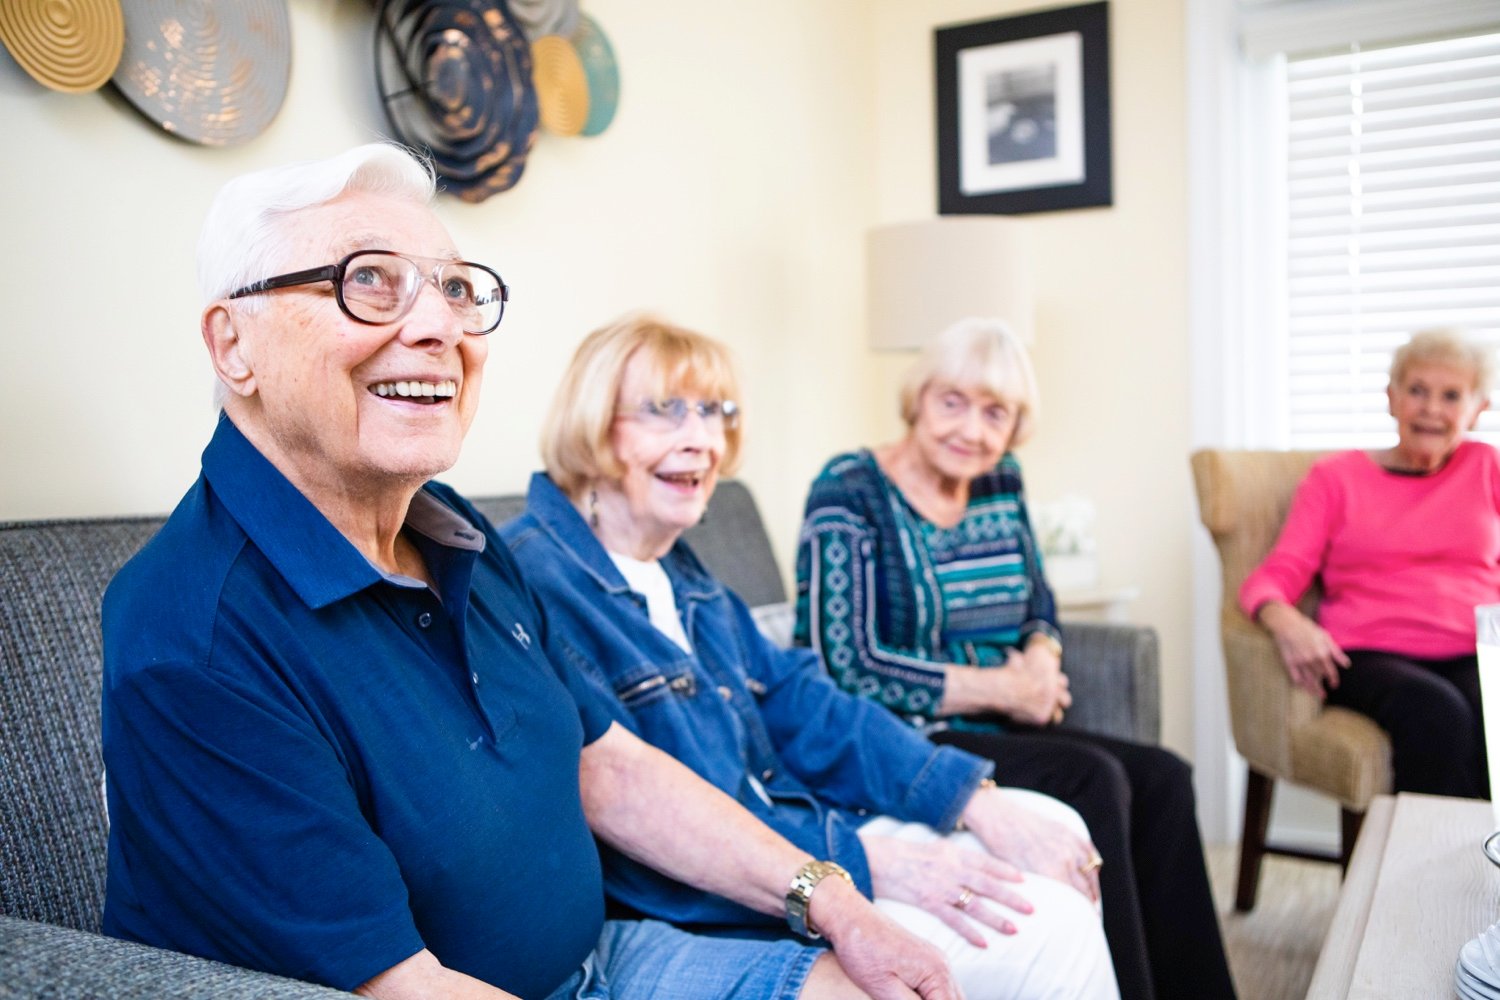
x=1093, y=864
x=1057, y=715
x=964, y=898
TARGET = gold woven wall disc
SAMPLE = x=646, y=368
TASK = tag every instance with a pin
x=562, y=87
x=68, y=45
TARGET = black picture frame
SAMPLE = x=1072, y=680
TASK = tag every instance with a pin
x=1023, y=119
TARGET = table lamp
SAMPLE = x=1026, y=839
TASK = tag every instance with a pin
x=922, y=277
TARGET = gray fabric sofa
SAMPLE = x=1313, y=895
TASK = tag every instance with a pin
x=52, y=825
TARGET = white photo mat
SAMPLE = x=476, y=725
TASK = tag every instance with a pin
x=977, y=175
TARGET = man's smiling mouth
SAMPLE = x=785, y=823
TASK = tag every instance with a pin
x=416, y=391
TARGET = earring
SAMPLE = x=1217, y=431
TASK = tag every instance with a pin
x=594, y=509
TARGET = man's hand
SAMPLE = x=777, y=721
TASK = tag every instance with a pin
x=1032, y=842
x=880, y=958
x=1310, y=655
x=953, y=884
x=650, y=807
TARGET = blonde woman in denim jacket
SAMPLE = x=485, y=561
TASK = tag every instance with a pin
x=642, y=426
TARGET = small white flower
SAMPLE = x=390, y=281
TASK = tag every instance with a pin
x=1064, y=526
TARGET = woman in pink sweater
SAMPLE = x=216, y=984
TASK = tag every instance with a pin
x=1405, y=542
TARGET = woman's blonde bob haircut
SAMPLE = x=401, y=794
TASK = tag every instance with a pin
x=1449, y=347
x=977, y=354
x=576, y=445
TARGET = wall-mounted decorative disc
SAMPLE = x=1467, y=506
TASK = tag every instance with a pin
x=456, y=79
x=562, y=88
x=68, y=45
x=545, y=17
x=210, y=73
x=603, y=72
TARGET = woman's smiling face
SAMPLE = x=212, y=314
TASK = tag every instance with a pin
x=670, y=467
x=1435, y=405
x=961, y=431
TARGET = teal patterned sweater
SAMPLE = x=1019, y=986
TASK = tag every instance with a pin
x=889, y=599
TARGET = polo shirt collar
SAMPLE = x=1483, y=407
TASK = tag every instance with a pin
x=314, y=557
x=557, y=516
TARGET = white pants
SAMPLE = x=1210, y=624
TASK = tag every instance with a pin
x=1058, y=951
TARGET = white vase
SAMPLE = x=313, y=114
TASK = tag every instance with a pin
x=1072, y=571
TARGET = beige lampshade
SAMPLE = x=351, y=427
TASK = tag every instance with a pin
x=922, y=277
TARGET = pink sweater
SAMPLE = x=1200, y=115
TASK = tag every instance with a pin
x=1403, y=559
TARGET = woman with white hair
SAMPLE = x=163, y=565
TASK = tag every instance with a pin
x=920, y=584
x=1405, y=542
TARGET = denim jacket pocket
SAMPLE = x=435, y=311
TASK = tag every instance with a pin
x=640, y=690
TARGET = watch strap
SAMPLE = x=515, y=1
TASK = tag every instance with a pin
x=799, y=894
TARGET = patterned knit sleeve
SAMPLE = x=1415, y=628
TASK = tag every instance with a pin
x=1041, y=614
x=839, y=592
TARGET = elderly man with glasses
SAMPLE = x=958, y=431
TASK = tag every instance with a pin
x=335, y=748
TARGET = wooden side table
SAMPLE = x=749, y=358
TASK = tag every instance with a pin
x=1418, y=888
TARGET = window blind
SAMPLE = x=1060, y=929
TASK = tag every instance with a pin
x=1392, y=224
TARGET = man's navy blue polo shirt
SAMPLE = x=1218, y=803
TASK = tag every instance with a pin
x=317, y=770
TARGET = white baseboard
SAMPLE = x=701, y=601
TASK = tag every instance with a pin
x=1300, y=818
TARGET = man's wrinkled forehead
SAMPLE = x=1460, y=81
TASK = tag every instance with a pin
x=324, y=233
x=372, y=239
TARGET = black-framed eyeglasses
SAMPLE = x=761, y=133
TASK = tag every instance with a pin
x=670, y=414
x=381, y=286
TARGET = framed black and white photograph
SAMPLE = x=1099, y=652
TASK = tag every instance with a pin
x=1023, y=113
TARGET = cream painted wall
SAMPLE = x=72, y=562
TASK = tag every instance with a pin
x=1112, y=301
x=730, y=193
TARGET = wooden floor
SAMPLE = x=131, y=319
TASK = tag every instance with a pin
x=1273, y=948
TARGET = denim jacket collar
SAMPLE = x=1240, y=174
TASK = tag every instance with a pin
x=557, y=517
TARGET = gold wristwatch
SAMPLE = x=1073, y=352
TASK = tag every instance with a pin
x=799, y=894
x=1051, y=642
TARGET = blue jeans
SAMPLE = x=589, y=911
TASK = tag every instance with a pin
x=650, y=960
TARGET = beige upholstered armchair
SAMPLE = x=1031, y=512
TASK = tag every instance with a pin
x=1282, y=732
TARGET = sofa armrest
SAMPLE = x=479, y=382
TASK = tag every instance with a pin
x=1114, y=674
x=45, y=961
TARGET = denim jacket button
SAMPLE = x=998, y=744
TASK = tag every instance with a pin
x=767, y=774
x=725, y=693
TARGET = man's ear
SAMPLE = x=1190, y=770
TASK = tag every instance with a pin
x=227, y=350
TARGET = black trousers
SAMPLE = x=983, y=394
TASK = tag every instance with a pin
x=1138, y=802
x=1431, y=710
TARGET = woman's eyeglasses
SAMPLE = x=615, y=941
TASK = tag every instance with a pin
x=670, y=414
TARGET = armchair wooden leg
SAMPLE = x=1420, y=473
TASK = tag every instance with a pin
x=1258, y=790
x=1349, y=824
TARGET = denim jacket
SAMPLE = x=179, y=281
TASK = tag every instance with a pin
x=744, y=714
